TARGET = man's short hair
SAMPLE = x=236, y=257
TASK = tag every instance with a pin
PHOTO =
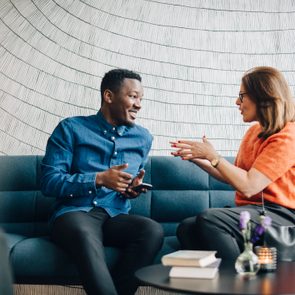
x=113, y=80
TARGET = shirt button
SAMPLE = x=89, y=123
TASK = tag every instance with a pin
x=113, y=138
x=95, y=203
x=105, y=132
x=114, y=128
x=115, y=153
x=90, y=192
x=71, y=195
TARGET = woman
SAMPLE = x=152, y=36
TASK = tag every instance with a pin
x=265, y=162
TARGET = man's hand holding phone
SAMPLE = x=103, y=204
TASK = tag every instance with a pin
x=137, y=186
x=143, y=187
x=134, y=191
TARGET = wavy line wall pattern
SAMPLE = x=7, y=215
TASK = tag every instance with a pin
x=191, y=55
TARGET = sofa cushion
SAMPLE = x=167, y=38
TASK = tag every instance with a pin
x=47, y=260
x=13, y=239
x=169, y=173
x=220, y=199
x=175, y=205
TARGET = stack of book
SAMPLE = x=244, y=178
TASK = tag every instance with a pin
x=192, y=264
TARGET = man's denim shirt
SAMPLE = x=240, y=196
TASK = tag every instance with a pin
x=78, y=148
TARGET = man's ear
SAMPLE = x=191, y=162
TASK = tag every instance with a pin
x=108, y=96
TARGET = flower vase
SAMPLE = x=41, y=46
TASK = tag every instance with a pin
x=247, y=263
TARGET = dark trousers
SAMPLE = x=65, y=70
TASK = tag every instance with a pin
x=218, y=228
x=84, y=234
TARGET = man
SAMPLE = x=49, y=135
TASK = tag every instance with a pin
x=91, y=166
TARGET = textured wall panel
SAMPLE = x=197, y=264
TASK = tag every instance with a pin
x=191, y=55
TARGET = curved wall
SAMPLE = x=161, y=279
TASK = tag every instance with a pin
x=191, y=55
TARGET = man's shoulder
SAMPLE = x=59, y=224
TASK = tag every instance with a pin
x=77, y=119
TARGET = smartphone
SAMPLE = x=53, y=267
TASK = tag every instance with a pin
x=139, y=187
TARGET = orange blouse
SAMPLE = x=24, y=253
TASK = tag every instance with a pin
x=275, y=158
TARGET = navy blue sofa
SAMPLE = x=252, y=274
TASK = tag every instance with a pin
x=181, y=190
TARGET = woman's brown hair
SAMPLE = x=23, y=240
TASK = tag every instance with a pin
x=269, y=90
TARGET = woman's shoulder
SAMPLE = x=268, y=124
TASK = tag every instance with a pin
x=253, y=131
x=288, y=130
x=285, y=136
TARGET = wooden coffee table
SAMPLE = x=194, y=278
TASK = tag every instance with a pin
x=282, y=281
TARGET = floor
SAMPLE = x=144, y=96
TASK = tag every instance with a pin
x=75, y=290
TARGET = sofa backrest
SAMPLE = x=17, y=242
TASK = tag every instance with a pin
x=23, y=209
x=180, y=190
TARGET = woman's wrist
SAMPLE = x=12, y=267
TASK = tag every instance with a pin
x=214, y=160
x=213, y=156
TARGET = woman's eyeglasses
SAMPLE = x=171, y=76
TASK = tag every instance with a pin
x=241, y=96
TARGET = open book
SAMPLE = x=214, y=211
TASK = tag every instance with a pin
x=189, y=258
x=207, y=272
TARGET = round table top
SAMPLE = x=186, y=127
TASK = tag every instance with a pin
x=227, y=281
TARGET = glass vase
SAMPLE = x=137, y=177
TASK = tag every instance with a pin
x=247, y=263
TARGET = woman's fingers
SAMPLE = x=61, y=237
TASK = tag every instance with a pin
x=185, y=152
x=182, y=145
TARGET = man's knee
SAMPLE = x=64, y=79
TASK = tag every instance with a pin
x=151, y=231
x=154, y=229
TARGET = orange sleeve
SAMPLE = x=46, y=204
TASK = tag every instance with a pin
x=277, y=155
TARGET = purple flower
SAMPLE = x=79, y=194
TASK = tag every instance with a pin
x=259, y=229
x=265, y=221
x=256, y=234
x=244, y=219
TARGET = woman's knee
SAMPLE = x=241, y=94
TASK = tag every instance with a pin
x=187, y=233
x=186, y=227
x=209, y=216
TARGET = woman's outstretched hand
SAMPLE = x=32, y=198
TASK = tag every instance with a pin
x=189, y=150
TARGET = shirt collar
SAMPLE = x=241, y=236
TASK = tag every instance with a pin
x=106, y=126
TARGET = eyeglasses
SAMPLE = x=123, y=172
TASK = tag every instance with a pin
x=241, y=96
